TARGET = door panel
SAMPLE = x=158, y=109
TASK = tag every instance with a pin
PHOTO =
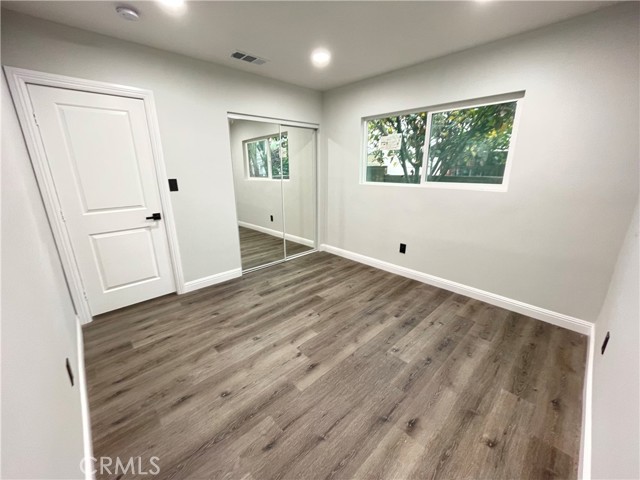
x=125, y=258
x=93, y=135
x=99, y=151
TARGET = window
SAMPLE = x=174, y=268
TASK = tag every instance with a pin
x=268, y=157
x=465, y=145
x=396, y=148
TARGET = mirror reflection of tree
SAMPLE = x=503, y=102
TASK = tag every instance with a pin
x=279, y=166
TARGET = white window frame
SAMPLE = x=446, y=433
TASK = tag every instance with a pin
x=517, y=97
x=247, y=168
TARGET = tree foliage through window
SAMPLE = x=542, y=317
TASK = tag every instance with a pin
x=471, y=142
x=466, y=145
x=408, y=157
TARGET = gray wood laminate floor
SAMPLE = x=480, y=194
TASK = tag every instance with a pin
x=257, y=248
x=322, y=368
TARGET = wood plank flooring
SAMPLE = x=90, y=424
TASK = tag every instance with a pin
x=322, y=368
x=257, y=248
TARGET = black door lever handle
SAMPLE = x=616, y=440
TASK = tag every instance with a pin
x=155, y=216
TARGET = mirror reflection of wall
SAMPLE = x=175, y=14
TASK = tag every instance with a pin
x=274, y=175
x=299, y=193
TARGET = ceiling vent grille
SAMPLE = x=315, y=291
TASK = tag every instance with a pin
x=246, y=57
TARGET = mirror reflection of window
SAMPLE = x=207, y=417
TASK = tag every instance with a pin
x=257, y=154
x=268, y=157
x=277, y=148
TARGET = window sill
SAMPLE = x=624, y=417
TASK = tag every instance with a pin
x=480, y=187
x=258, y=179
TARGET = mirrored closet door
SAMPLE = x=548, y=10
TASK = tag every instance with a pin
x=299, y=189
x=274, y=169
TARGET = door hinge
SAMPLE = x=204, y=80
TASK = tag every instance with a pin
x=35, y=119
x=62, y=217
x=85, y=296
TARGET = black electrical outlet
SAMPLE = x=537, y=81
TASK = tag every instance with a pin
x=173, y=184
x=604, y=344
x=403, y=248
x=70, y=372
x=271, y=217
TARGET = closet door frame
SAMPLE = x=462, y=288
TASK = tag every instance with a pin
x=288, y=123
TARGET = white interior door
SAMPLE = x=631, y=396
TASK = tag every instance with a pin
x=99, y=151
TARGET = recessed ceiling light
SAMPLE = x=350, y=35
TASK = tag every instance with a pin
x=321, y=57
x=172, y=3
x=128, y=13
x=173, y=6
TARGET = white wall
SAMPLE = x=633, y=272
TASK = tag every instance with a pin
x=41, y=411
x=256, y=200
x=192, y=99
x=552, y=239
x=616, y=381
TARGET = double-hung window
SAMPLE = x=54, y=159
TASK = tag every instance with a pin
x=267, y=157
x=464, y=145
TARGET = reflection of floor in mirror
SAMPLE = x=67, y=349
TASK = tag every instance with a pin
x=258, y=248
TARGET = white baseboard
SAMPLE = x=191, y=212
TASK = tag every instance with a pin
x=276, y=233
x=584, y=466
x=212, y=280
x=554, y=318
x=84, y=405
x=300, y=240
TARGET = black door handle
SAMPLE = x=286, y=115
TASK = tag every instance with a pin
x=155, y=216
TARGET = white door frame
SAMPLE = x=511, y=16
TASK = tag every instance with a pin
x=18, y=80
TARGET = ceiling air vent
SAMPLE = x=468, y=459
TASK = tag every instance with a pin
x=246, y=57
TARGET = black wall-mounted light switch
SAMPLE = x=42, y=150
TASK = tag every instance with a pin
x=69, y=371
x=604, y=344
x=403, y=248
x=173, y=184
x=271, y=217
